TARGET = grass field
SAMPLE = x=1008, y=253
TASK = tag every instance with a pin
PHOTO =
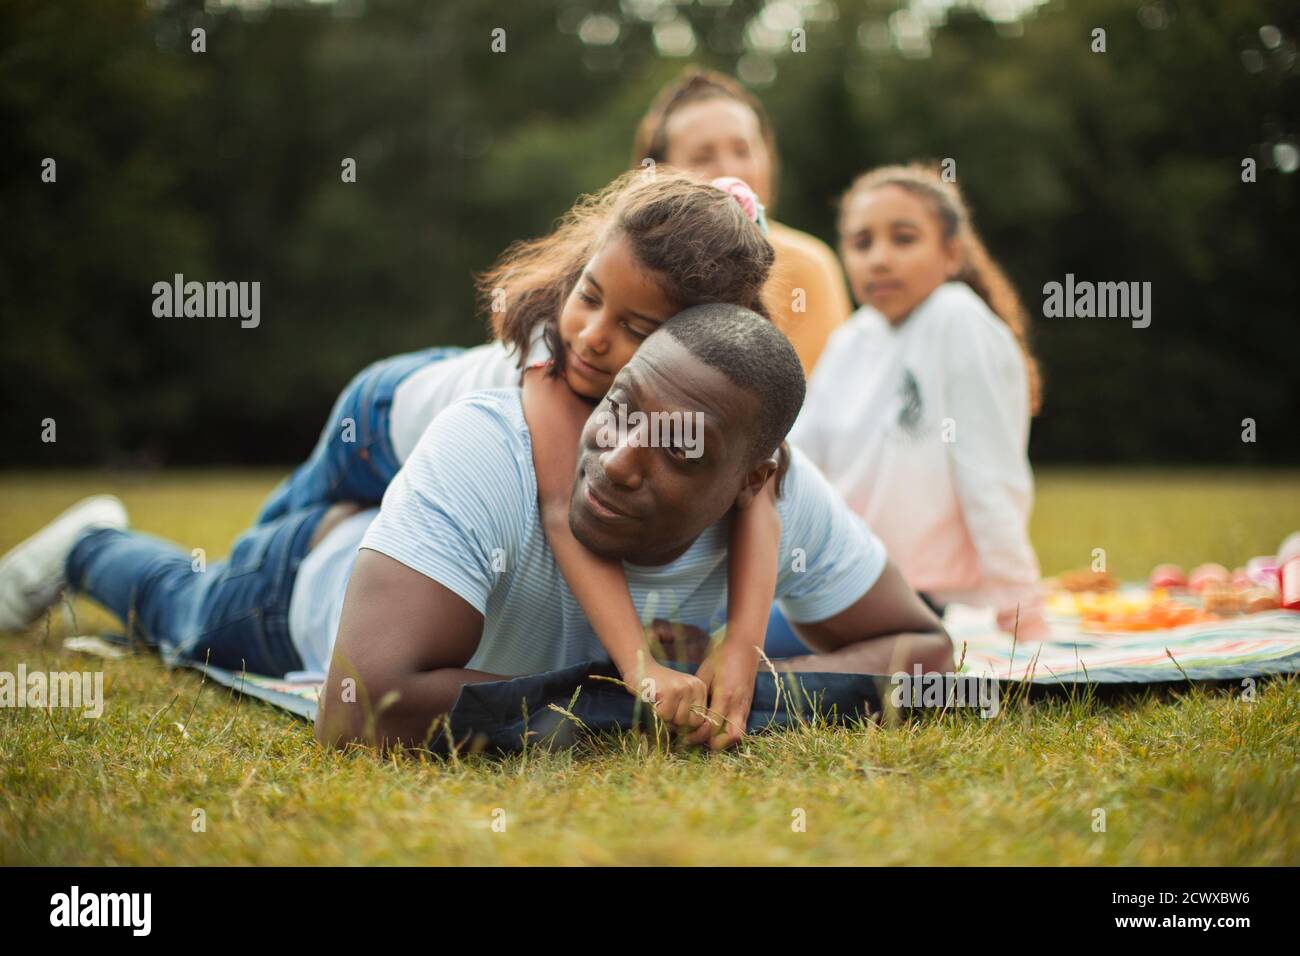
x=1195, y=777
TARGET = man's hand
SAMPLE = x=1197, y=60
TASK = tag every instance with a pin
x=729, y=674
x=678, y=698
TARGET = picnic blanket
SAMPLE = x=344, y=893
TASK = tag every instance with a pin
x=1225, y=649
x=551, y=709
x=553, y=706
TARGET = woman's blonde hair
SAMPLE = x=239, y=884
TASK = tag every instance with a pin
x=978, y=269
x=694, y=239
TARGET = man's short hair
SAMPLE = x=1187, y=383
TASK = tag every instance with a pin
x=753, y=354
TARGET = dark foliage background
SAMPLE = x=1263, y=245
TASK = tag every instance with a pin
x=226, y=165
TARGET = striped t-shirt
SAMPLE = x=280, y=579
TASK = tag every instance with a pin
x=463, y=511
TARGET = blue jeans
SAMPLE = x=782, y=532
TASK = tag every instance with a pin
x=781, y=640
x=233, y=613
x=354, y=458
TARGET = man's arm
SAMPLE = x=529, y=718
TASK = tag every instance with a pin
x=403, y=640
x=886, y=630
x=412, y=617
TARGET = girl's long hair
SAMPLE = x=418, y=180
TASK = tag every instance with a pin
x=694, y=240
x=978, y=268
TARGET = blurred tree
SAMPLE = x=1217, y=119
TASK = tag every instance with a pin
x=1123, y=165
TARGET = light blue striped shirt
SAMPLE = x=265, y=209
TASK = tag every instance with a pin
x=463, y=511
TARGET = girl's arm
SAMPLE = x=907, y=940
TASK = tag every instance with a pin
x=556, y=416
x=751, y=588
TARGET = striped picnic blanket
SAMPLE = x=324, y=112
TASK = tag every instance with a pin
x=1229, y=648
x=1223, y=649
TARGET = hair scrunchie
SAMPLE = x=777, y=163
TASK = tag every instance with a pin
x=739, y=190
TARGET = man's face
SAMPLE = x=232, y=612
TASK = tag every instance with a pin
x=647, y=504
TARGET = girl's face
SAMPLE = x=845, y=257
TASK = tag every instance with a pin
x=614, y=305
x=720, y=137
x=894, y=250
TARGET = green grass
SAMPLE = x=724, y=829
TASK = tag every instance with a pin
x=1196, y=777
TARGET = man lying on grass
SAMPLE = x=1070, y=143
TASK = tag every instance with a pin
x=455, y=582
x=452, y=581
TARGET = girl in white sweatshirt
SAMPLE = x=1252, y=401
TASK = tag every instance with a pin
x=919, y=409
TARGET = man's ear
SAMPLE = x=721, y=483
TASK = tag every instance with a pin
x=755, y=479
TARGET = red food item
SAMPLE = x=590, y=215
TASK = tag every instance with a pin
x=1167, y=576
x=1241, y=580
x=1208, y=574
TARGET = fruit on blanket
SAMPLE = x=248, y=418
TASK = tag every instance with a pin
x=1205, y=574
x=1258, y=599
x=1086, y=579
x=1074, y=603
x=1167, y=576
x=1161, y=616
x=1219, y=598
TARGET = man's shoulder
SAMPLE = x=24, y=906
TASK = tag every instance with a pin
x=804, y=490
x=800, y=473
x=465, y=496
x=809, y=505
x=478, y=445
x=828, y=556
x=501, y=405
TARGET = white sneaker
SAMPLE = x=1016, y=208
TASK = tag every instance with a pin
x=31, y=575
